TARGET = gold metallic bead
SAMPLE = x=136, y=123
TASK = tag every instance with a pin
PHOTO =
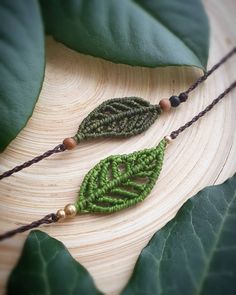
x=61, y=214
x=70, y=210
x=168, y=139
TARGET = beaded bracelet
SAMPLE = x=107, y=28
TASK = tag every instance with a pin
x=120, y=181
x=120, y=117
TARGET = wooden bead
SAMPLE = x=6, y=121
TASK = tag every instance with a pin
x=70, y=210
x=168, y=139
x=165, y=105
x=61, y=214
x=70, y=143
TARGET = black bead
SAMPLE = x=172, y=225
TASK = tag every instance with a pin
x=174, y=100
x=183, y=97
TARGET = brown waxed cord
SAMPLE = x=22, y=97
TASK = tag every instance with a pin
x=175, y=133
x=208, y=73
x=50, y=218
x=70, y=142
x=59, y=148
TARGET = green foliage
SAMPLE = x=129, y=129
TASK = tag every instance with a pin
x=46, y=267
x=195, y=253
x=121, y=181
x=145, y=33
x=119, y=117
x=21, y=65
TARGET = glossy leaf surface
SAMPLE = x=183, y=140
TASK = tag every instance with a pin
x=46, y=267
x=142, y=33
x=195, y=253
x=21, y=65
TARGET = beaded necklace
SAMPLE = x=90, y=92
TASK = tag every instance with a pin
x=120, y=117
x=118, y=182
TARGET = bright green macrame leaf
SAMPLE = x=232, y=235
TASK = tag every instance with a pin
x=121, y=181
x=119, y=117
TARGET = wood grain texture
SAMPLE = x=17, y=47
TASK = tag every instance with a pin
x=108, y=246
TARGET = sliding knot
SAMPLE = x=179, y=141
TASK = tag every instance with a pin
x=183, y=97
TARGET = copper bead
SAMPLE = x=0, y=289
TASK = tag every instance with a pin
x=165, y=104
x=70, y=143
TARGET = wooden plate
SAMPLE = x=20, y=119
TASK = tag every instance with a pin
x=108, y=246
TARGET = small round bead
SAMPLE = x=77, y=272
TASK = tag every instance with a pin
x=183, y=97
x=174, y=100
x=61, y=214
x=70, y=210
x=70, y=143
x=168, y=139
x=165, y=105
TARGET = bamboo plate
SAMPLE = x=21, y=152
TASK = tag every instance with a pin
x=108, y=246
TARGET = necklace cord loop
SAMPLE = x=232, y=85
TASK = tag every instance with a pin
x=52, y=218
x=70, y=143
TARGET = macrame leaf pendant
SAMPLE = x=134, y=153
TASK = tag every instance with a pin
x=118, y=117
x=121, y=181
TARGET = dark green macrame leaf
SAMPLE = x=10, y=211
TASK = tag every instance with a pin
x=121, y=181
x=119, y=117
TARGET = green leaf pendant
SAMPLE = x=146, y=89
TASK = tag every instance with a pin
x=118, y=117
x=120, y=181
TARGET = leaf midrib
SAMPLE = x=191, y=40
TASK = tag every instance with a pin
x=175, y=34
x=214, y=248
x=123, y=178
x=45, y=276
x=115, y=117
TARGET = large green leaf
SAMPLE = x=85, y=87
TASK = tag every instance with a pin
x=21, y=65
x=46, y=267
x=195, y=253
x=142, y=32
